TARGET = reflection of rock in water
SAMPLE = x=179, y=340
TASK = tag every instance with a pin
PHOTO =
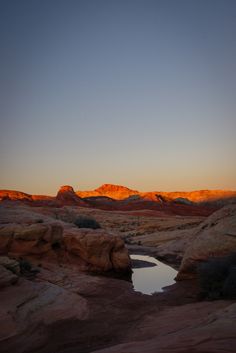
x=141, y=263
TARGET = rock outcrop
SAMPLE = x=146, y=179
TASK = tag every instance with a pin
x=19, y=240
x=116, y=192
x=53, y=241
x=33, y=312
x=215, y=237
x=7, y=277
x=14, y=195
x=67, y=196
x=98, y=249
x=205, y=327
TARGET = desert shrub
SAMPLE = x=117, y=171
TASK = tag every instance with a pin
x=56, y=245
x=87, y=222
x=39, y=221
x=229, y=287
x=25, y=265
x=217, y=277
x=27, y=270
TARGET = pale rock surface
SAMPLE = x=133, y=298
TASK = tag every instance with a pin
x=29, y=312
x=7, y=277
x=215, y=237
x=10, y=264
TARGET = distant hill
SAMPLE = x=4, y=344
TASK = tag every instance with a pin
x=118, y=192
x=118, y=197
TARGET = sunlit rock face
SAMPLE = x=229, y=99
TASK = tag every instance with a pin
x=14, y=195
x=215, y=237
x=119, y=192
x=116, y=192
x=117, y=197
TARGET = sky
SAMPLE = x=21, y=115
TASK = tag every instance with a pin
x=140, y=93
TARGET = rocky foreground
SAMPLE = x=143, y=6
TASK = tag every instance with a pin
x=54, y=296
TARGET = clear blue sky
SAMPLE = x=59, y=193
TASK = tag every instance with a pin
x=139, y=93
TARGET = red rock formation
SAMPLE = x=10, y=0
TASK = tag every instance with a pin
x=215, y=237
x=23, y=234
x=119, y=192
x=116, y=192
x=116, y=197
x=200, y=195
x=67, y=196
x=102, y=251
x=8, y=271
x=14, y=195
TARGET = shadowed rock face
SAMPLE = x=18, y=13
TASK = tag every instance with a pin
x=31, y=311
x=66, y=310
x=23, y=234
x=7, y=277
x=185, y=329
x=67, y=196
x=215, y=237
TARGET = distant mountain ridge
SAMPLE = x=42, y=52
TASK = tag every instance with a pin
x=119, y=192
x=120, y=198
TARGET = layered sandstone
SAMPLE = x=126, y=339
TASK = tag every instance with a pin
x=215, y=237
x=24, y=234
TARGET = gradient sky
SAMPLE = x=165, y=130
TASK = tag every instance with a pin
x=134, y=92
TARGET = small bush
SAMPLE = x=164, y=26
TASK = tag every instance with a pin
x=229, y=287
x=27, y=270
x=87, y=222
x=25, y=265
x=39, y=221
x=217, y=278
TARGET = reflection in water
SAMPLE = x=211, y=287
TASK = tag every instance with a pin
x=152, y=279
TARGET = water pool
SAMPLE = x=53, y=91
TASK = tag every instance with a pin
x=150, y=275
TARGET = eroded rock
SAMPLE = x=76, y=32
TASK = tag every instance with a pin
x=60, y=242
x=98, y=248
x=7, y=277
x=215, y=237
